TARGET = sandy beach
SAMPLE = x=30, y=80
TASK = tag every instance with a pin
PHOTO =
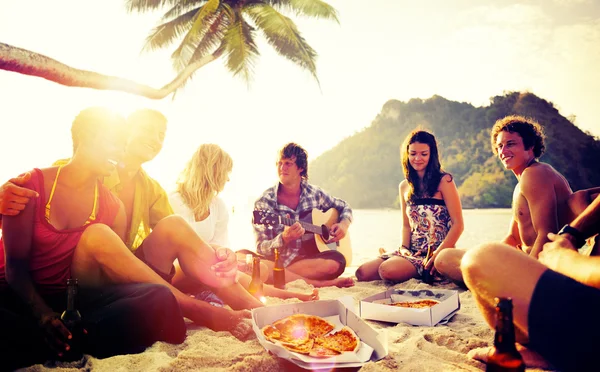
x=411, y=348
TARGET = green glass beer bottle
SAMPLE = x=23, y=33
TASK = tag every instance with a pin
x=278, y=272
x=71, y=318
x=504, y=355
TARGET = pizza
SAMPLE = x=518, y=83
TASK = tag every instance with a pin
x=341, y=341
x=311, y=335
x=420, y=304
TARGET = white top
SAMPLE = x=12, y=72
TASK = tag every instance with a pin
x=213, y=229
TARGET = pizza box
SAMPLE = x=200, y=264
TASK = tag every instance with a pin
x=373, y=343
x=377, y=307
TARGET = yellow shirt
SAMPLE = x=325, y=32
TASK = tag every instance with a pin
x=150, y=204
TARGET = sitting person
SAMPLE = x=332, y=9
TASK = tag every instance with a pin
x=293, y=197
x=197, y=201
x=431, y=214
x=157, y=238
x=37, y=256
x=541, y=197
x=550, y=295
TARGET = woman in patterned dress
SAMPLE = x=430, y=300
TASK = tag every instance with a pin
x=431, y=214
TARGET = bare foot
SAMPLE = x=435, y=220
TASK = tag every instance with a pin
x=314, y=296
x=337, y=282
x=531, y=358
x=381, y=251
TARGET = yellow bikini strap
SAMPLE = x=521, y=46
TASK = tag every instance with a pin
x=47, y=213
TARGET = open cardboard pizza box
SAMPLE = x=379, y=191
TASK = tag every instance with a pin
x=373, y=343
x=377, y=307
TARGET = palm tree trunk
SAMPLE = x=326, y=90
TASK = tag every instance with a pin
x=31, y=63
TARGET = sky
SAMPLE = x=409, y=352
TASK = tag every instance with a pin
x=463, y=50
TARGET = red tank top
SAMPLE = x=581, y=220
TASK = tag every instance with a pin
x=52, y=250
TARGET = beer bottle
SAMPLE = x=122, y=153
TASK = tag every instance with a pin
x=504, y=355
x=427, y=277
x=256, y=284
x=278, y=272
x=71, y=318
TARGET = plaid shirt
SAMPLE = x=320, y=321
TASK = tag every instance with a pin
x=270, y=237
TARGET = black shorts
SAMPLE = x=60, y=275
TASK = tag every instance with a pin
x=139, y=253
x=564, y=323
x=326, y=255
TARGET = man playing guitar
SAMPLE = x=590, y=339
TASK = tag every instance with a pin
x=293, y=197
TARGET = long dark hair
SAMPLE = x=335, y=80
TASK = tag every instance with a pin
x=433, y=171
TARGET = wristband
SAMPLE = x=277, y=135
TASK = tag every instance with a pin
x=579, y=238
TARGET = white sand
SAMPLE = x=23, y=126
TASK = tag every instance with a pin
x=411, y=348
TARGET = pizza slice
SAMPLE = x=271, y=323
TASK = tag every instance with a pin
x=420, y=304
x=341, y=341
x=318, y=326
x=296, y=347
x=319, y=351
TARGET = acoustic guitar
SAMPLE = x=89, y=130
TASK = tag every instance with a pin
x=316, y=223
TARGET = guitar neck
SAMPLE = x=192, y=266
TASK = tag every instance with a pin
x=307, y=226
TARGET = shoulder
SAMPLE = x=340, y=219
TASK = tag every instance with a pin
x=269, y=195
x=403, y=185
x=177, y=202
x=446, y=181
x=108, y=197
x=538, y=173
x=150, y=184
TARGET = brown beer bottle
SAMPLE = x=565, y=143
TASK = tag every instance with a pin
x=427, y=277
x=504, y=355
x=278, y=272
x=71, y=318
x=256, y=285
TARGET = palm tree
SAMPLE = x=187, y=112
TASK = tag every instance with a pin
x=208, y=29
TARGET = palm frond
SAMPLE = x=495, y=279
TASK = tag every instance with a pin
x=163, y=35
x=180, y=8
x=213, y=37
x=142, y=6
x=281, y=32
x=181, y=56
x=240, y=48
x=308, y=8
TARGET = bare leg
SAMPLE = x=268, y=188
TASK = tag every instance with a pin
x=188, y=285
x=312, y=270
x=172, y=238
x=397, y=269
x=448, y=261
x=101, y=257
x=369, y=270
x=516, y=277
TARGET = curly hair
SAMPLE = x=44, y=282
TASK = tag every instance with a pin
x=529, y=129
x=204, y=177
x=291, y=151
x=433, y=171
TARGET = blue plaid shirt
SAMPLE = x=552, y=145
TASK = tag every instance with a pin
x=270, y=237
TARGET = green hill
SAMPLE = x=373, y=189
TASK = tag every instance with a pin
x=364, y=169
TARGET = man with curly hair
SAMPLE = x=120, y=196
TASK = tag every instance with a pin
x=541, y=197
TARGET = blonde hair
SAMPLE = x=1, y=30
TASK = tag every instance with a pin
x=204, y=177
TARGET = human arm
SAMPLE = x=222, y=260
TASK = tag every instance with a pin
x=160, y=207
x=513, y=239
x=14, y=196
x=587, y=222
x=541, y=199
x=338, y=230
x=268, y=238
x=406, y=231
x=18, y=245
x=560, y=255
x=452, y=201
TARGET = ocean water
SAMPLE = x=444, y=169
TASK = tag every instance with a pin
x=375, y=228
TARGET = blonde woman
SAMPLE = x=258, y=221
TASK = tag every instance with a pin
x=197, y=200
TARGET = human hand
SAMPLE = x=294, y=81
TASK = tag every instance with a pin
x=55, y=332
x=429, y=263
x=291, y=233
x=555, y=251
x=337, y=232
x=227, y=265
x=13, y=197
